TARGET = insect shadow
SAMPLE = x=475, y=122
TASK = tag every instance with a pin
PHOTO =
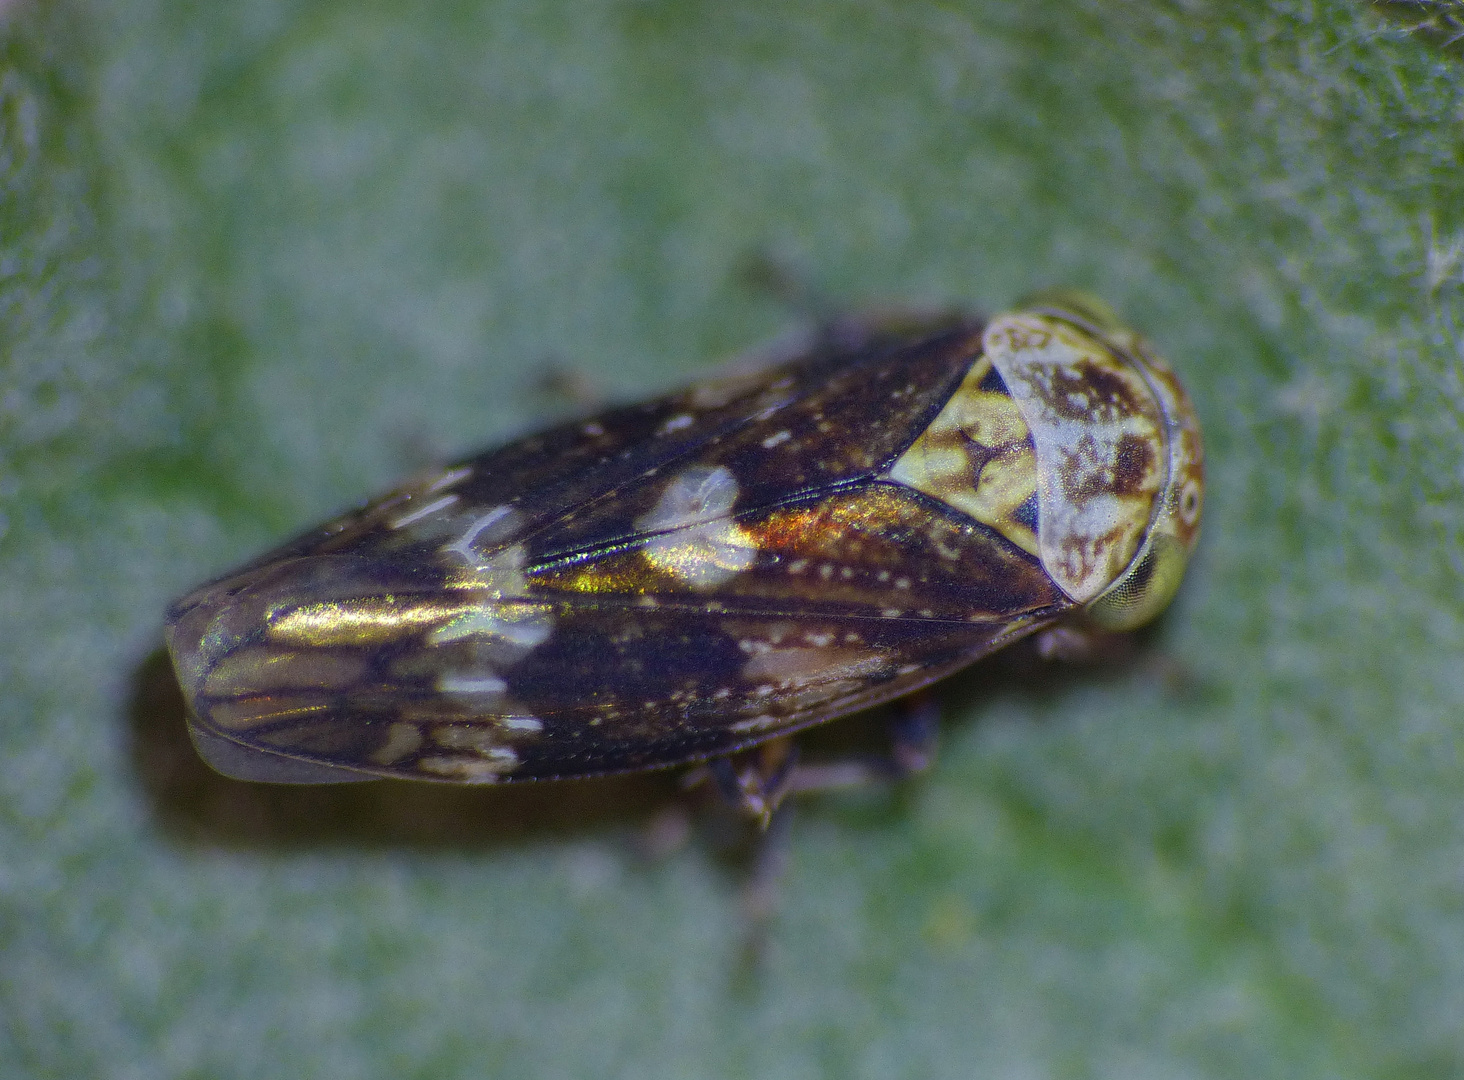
x=193, y=805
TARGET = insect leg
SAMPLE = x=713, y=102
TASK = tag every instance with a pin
x=1081, y=645
x=755, y=786
x=914, y=732
x=760, y=890
x=914, y=729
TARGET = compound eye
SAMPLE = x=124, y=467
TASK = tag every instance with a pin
x=1145, y=588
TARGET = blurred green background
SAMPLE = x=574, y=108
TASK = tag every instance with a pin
x=260, y=258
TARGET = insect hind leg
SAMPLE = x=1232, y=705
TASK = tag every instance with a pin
x=757, y=783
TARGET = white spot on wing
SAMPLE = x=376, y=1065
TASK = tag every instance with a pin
x=521, y=625
x=401, y=740
x=423, y=512
x=800, y=667
x=471, y=684
x=508, y=623
x=755, y=723
x=487, y=527
x=470, y=770
x=776, y=440
x=449, y=478
x=696, y=540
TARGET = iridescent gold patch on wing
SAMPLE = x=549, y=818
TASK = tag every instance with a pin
x=977, y=456
x=362, y=621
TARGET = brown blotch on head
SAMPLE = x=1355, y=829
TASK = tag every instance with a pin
x=1133, y=463
x=1091, y=391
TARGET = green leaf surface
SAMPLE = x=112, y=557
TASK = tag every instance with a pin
x=258, y=259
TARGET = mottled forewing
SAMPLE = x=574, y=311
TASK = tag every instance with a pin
x=852, y=396
x=854, y=597
x=651, y=586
